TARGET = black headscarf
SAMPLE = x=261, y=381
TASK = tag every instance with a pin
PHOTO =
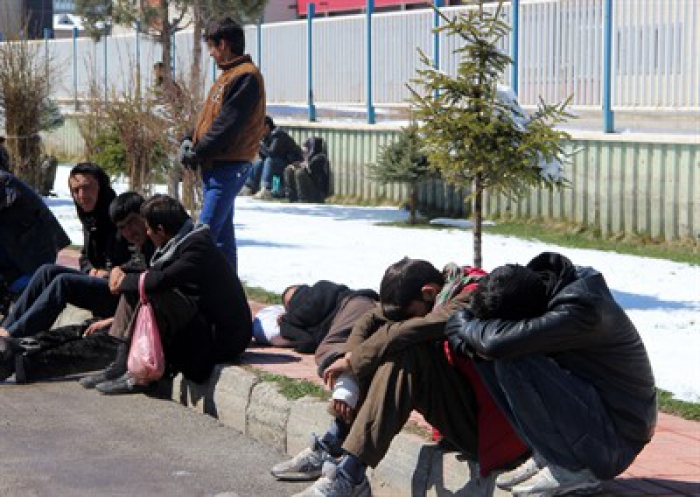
x=313, y=146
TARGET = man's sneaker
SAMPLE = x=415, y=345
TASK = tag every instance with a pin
x=305, y=466
x=554, y=480
x=263, y=194
x=334, y=484
x=122, y=385
x=525, y=471
x=246, y=191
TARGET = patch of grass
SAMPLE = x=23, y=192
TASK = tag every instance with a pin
x=577, y=236
x=669, y=405
x=261, y=295
x=290, y=388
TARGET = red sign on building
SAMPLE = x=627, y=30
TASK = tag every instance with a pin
x=323, y=6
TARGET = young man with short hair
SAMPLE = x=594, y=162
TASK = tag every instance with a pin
x=200, y=305
x=53, y=286
x=228, y=130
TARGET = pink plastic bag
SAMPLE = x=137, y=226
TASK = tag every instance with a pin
x=146, y=361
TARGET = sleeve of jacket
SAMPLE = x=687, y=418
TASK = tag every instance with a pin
x=390, y=337
x=238, y=102
x=311, y=312
x=568, y=324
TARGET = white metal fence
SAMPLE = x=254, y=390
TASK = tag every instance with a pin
x=656, y=49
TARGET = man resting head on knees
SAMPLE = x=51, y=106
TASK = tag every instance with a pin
x=575, y=381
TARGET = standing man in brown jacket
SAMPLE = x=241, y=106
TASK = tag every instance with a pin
x=228, y=130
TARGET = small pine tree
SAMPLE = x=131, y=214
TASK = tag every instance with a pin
x=475, y=132
x=404, y=162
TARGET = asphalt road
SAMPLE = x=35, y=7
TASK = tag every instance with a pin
x=58, y=439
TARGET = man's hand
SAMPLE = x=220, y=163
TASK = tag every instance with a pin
x=4, y=332
x=99, y=273
x=97, y=326
x=115, y=280
x=340, y=366
x=339, y=408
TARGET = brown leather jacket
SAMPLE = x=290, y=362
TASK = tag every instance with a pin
x=231, y=124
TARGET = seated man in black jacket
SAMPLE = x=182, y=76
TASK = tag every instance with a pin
x=107, y=236
x=200, y=306
x=575, y=382
x=277, y=150
x=31, y=236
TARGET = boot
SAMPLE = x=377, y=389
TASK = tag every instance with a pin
x=111, y=372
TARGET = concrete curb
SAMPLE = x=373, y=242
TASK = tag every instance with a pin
x=240, y=400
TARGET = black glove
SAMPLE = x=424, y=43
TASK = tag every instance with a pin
x=454, y=332
x=186, y=155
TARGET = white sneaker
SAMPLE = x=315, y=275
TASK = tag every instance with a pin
x=334, y=484
x=525, y=471
x=306, y=465
x=554, y=480
x=263, y=194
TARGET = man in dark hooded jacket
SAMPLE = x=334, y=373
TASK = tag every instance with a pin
x=309, y=181
x=30, y=234
x=575, y=382
x=53, y=286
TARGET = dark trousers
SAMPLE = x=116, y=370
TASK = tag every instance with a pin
x=559, y=416
x=419, y=378
x=52, y=288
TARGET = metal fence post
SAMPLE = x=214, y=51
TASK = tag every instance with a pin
x=311, y=11
x=608, y=117
x=75, y=68
x=258, y=40
x=47, y=35
x=172, y=56
x=104, y=51
x=514, y=44
x=436, y=36
x=138, y=59
x=371, y=118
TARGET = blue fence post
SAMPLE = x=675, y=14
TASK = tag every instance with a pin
x=2, y=38
x=311, y=11
x=608, y=118
x=172, y=56
x=75, y=68
x=258, y=40
x=137, y=27
x=515, y=45
x=371, y=118
x=436, y=36
x=104, y=52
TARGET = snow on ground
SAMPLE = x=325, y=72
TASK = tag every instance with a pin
x=281, y=244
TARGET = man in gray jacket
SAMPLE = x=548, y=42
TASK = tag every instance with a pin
x=575, y=382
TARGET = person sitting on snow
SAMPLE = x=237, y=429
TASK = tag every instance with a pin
x=575, y=381
x=309, y=181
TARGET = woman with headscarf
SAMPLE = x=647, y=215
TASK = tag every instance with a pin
x=310, y=180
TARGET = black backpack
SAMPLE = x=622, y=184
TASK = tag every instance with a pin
x=54, y=353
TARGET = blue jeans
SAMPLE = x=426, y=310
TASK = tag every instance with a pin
x=221, y=185
x=263, y=171
x=51, y=288
x=557, y=414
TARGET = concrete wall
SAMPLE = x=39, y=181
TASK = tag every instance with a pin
x=11, y=15
x=641, y=184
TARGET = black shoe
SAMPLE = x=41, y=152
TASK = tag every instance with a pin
x=111, y=372
x=122, y=385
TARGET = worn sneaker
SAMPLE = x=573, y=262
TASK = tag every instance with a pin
x=554, y=480
x=305, y=466
x=525, y=471
x=334, y=484
x=263, y=194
